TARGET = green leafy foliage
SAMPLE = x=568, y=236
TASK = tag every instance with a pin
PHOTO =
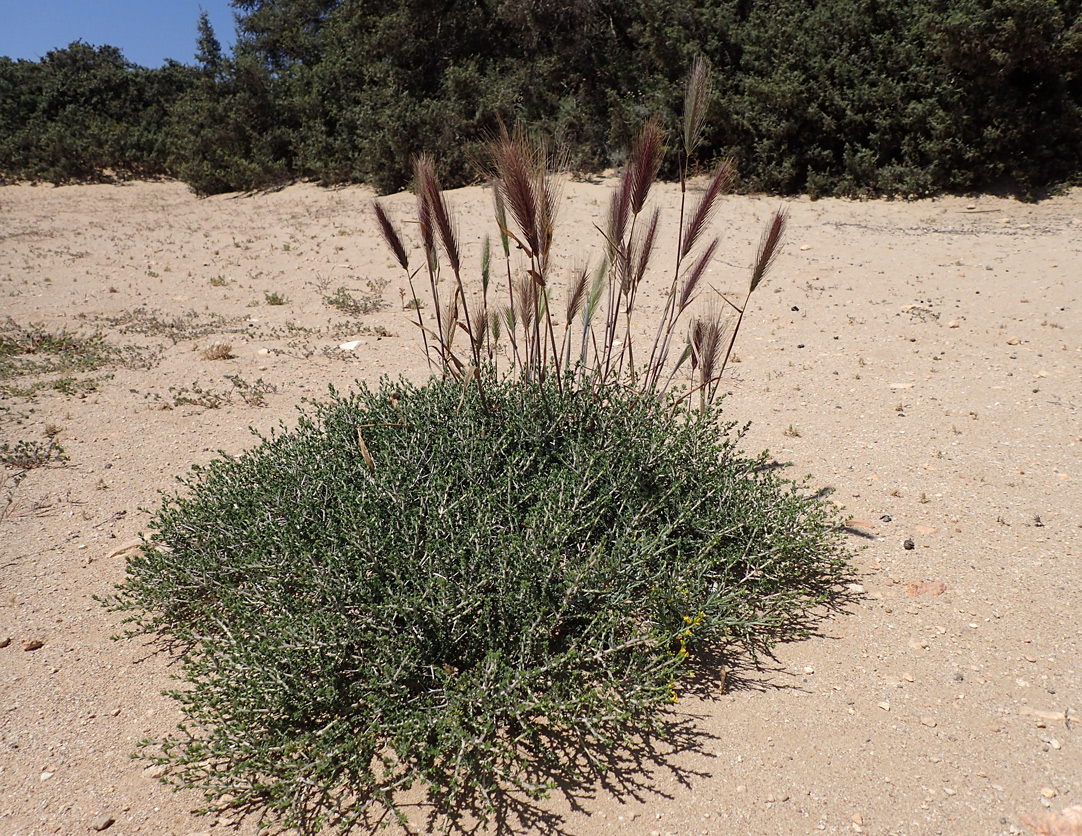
x=415, y=586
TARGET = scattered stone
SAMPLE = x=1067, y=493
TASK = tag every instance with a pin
x=930, y=722
x=909, y=545
x=4, y=642
x=856, y=588
x=857, y=819
x=33, y=644
x=102, y=823
x=1014, y=341
x=885, y=518
x=350, y=346
x=885, y=705
x=948, y=791
x=1048, y=792
x=809, y=670
x=915, y=589
x=46, y=775
x=953, y=323
x=156, y=771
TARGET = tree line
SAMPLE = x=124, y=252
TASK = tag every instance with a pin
x=824, y=97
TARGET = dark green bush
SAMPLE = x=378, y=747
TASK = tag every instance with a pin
x=85, y=113
x=835, y=97
x=418, y=587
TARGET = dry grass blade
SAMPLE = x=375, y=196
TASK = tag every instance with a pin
x=769, y=247
x=695, y=104
x=695, y=274
x=704, y=208
x=645, y=162
x=364, y=452
x=390, y=235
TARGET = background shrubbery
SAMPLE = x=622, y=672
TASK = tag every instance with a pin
x=833, y=97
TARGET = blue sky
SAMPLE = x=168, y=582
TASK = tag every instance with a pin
x=146, y=31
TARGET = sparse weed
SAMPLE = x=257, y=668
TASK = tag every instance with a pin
x=252, y=394
x=275, y=298
x=27, y=455
x=34, y=350
x=187, y=326
x=367, y=302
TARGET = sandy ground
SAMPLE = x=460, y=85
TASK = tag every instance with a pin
x=923, y=360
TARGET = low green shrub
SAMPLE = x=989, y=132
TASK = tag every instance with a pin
x=420, y=587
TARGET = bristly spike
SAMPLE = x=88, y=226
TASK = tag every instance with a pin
x=619, y=212
x=695, y=274
x=390, y=235
x=695, y=101
x=769, y=247
x=647, y=248
x=422, y=165
x=645, y=162
x=576, y=296
x=501, y=218
x=486, y=264
x=704, y=209
x=439, y=213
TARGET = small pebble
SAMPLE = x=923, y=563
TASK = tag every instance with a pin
x=4, y=642
x=102, y=823
x=33, y=644
x=930, y=722
x=909, y=545
x=885, y=705
x=1048, y=792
